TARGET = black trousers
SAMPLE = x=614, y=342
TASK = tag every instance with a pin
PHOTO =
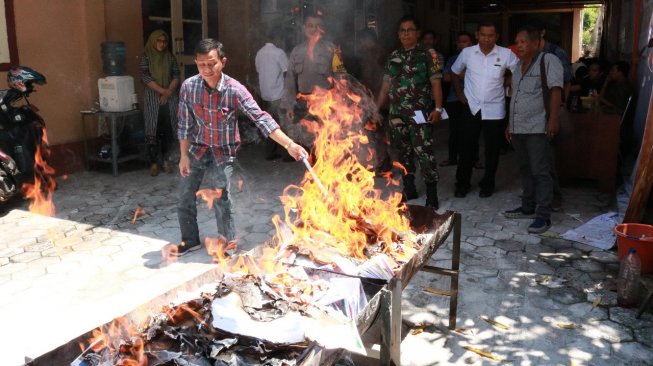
x=493, y=134
x=455, y=111
x=158, y=150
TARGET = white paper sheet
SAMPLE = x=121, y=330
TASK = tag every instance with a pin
x=420, y=118
x=597, y=232
x=331, y=331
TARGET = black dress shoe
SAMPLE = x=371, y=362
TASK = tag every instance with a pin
x=460, y=192
x=484, y=193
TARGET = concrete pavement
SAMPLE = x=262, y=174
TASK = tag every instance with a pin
x=62, y=276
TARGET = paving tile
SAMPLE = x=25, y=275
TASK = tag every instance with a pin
x=583, y=247
x=501, y=273
x=607, y=298
x=499, y=235
x=603, y=256
x=490, y=252
x=481, y=271
x=480, y=241
x=25, y=257
x=11, y=251
x=586, y=312
x=105, y=251
x=556, y=259
x=566, y=295
x=607, y=330
x=527, y=239
x=587, y=265
x=632, y=353
x=627, y=317
x=18, y=240
x=86, y=246
x=645, y=336
x=584, y=351
x=39, y=247
x=29, y=274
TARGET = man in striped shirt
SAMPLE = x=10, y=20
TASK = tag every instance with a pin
x=208, y=136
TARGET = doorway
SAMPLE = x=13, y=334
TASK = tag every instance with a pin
x=186, y=23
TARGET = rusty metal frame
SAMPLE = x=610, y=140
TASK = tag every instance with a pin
x=383, y=308
x=452, y=272
x=389, y=302
x=390, y=317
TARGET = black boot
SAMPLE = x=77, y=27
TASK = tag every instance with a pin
x=432, y=195
x=410, y=191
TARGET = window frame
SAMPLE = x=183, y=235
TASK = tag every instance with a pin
x=10, y=26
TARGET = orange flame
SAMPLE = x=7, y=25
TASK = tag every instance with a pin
x=209, y=195
x=40, y=193
x=137, y=213
x=169, y=254
x=217, y=248
x=354, y=214
x=110, y=335
x=312, y=41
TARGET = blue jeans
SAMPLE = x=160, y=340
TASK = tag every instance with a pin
x=220, y=178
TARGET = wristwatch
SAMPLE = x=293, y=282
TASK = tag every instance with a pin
x=438, y=109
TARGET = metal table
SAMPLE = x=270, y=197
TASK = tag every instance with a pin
x=114, y=118
x=382, y=313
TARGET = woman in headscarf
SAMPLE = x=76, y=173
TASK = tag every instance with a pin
x=160, y=74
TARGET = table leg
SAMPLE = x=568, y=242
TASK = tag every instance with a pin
x=391, y=323
x=455, y=266
x=86, y=164
x=114, y=146
x=453, y=272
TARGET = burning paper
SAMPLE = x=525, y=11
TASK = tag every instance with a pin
x=267, y=319
x=341, y=213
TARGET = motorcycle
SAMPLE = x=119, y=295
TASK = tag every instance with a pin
x=21, y=130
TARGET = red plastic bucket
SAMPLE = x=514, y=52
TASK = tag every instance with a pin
x=640, y=237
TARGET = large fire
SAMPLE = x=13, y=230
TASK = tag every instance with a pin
x=40, y=193
x=343, y=217
x=353, y=214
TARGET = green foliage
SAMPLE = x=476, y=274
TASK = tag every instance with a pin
x=590, y=15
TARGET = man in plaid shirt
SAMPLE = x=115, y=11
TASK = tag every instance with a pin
x=208, y=136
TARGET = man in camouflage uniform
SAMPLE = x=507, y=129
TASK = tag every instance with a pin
x=412, y=81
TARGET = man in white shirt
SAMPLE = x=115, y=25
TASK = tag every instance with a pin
x=271, y=65
x=484, y=67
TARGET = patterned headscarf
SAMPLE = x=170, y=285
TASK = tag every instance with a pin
x=160, y=63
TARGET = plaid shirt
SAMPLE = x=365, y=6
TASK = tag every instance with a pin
x=209, y=117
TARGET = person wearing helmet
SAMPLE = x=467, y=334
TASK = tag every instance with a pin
x=160, y=73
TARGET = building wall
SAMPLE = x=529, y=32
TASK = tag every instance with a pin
x=238, y=28
x=124, y=22
x=61, y=40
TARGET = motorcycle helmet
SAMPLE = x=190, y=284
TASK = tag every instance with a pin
x=21, y=78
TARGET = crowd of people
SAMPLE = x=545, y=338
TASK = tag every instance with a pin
x=511, y=96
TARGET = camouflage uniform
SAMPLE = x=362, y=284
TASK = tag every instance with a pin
x=409, y=73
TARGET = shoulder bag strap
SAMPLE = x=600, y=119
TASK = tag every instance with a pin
x=546, y=93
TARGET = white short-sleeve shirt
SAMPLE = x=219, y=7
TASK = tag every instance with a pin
x=271, y=62
x=484, y=79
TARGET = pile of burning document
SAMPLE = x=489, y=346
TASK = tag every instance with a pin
x=247, y=318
